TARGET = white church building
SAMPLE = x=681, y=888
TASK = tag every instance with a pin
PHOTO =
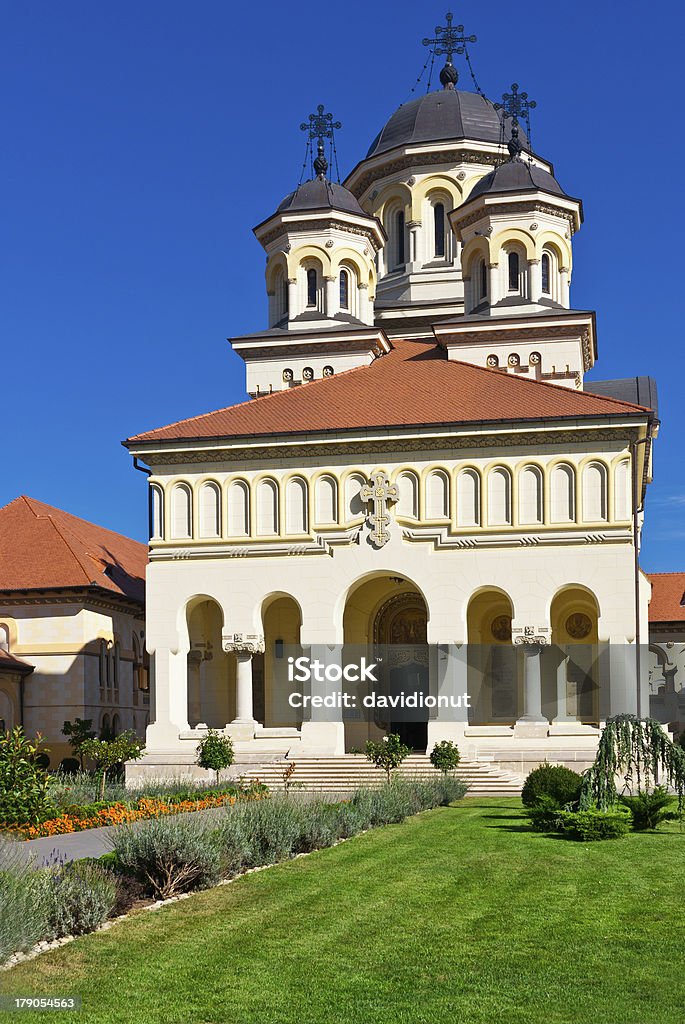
x=423, y=464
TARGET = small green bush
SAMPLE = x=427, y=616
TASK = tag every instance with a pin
x=388, y=753
x=24, y=781
x=445, y=756
x=77, y=897
x=649, y=809
x=544, y=814
x=23, y=920
x=215, y=752
x=589, y=826
x=551, y=780
x=169, y=855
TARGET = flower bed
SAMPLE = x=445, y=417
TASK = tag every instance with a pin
x=78, y=819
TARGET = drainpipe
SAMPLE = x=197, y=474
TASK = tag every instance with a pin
x=148, y=472
x=637, y=509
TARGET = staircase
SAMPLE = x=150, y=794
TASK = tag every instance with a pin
x=352, y=771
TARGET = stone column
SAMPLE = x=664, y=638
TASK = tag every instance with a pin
x=292, y=298
x=493, y=283
x=564, y=296
x=452, y=682
x=531, y=639
x=363, y=303
x=323, y=730
x=413, y=226
x=332, y=300
x=534, y=280
x=169, y=698
x=244, y=646
x=562, y=714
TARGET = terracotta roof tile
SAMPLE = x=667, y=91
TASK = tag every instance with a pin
x=44, y=547
x=668, y=597
x=8, y=663
x=413, y=385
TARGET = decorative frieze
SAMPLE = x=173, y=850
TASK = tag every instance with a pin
x=243, y=643
x=539, y=636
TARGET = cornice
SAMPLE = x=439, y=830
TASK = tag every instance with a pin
x=330, y=223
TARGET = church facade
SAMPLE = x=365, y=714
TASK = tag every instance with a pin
x=422, y=466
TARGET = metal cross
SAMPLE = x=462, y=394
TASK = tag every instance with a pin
x=516, y=104
x=381, y=493
x=320, y=125
x=449, y=39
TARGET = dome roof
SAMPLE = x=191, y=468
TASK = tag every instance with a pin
x=440, y=116
x=516, y=176
x=320, y=194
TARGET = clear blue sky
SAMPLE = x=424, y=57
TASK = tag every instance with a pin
x=142, y=141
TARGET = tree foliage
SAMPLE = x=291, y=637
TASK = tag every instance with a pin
x=24, y=780
x=77, y=732
x=108, y=753
x=639, y=752
x=215, y=752
x=445, y=756
x=388, y=753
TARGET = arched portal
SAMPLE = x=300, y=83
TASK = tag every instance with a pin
x=281, y=622
x=211, y=672
x=493, y=677
x=575, y=644
x=386, y=619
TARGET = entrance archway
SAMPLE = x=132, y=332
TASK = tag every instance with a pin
x=281, y=622
x=388, y=616
x=211, y=672
x=492, y=666
x=575, y=640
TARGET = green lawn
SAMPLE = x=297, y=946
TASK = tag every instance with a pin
x=459, y=915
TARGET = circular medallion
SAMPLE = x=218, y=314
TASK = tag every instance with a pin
x=501, y=628
x=493, y=361
x=288, y=374
x=514, y=359
x=578, y=625
x=307, y=373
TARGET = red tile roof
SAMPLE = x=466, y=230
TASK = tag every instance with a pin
x=44, y=547
x=668, y=597
x=414, y=385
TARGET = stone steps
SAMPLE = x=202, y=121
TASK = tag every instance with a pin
x=346, y=773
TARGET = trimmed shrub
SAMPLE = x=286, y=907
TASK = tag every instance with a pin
x=215, y=753
x=544, y=814
x=649, y=809
x=169, y=855
x=77, y=897
x=589, y=826
x=445, y=756
x=551, y=780
x=24, y=780
x=388, y=754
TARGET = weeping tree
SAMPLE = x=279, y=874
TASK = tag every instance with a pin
x=638, y=751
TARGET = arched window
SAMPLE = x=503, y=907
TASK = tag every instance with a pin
x=105, y=728
x=210, y=510
x=115, y=726
x=354, y=506
x=437, y=496
x=409, y=495
x=513, y=265
x=483, y=280
x=622, y=496
x=344, y=289
x=546, y=275
x=238, y=509
x=594, y=492
x=116, y=665
x=439, y=229
x=103, y=663
x=563, y=495
x=499, y=497
x=312, y=287
x=326, y=500
x=181, y=512
x=4, y=637
x=296, y=506
x=530, y=495
x=468, y=498
x=399, y=239
x=156, y=512
x=267, y=508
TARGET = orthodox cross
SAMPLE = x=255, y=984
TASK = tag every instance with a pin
x=449, y=39
x=516, y=105
x=380, y=493
x=320, y=125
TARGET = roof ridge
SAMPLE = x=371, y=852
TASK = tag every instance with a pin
x=673, y=572
x=261, y=399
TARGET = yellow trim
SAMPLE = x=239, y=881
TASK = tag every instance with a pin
x=513, y=234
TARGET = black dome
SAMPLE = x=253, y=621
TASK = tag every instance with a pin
x=442, y=115
x=320, y=194
x=516, y=176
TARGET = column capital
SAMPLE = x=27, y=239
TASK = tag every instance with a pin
x=534, y=636
x=243, y=643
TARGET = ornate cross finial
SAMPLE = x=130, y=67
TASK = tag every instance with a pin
x=380, y=493
x=449, y=39
x=516, y=104
x=320, y=126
